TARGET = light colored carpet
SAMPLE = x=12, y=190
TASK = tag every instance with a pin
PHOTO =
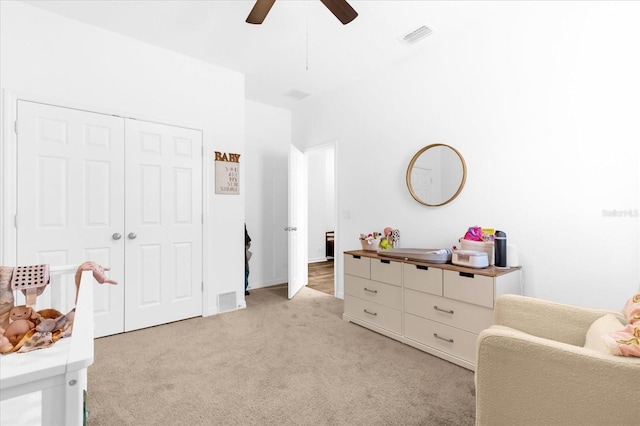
x=277, y=362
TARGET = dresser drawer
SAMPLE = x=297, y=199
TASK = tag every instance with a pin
x=451, y=340
x=374, y=313
x=358, y=266
x=386, y=271
x=422, y=278
x=472, y=288
x=374, y=291
x=468, y=317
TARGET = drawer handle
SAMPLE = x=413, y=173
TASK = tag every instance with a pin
x=466, y=274
x=425, y=268
x=385, y=261
x=442, y=338
x=370, y=313
x=355, y=256
x=370, y=291
x=443, y=310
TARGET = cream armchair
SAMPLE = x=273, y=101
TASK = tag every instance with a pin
x=532, y=367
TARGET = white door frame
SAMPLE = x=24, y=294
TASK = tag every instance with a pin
x=297, y=222
x=337, y=259
x=8, y=171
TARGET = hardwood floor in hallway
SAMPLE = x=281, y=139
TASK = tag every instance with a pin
x=321, y=277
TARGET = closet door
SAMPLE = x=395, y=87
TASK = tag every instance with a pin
x=70, y=200
x=163, y=224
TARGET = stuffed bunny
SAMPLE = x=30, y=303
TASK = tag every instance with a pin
x=21, y=319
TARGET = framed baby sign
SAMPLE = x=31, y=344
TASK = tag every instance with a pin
x=227, y=173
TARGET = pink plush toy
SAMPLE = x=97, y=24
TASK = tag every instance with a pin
x=98, y=274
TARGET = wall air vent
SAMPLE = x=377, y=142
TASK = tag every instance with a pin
x=416, y=35
x=298, y=95
x=227, y=302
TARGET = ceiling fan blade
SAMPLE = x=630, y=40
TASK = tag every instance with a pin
x=343, y=10
x=259, y=11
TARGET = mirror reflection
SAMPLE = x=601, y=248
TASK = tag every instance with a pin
x=436, y=175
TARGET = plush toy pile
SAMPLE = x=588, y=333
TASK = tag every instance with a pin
x=29, y=330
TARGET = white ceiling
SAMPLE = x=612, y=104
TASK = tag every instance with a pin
x=300, y=46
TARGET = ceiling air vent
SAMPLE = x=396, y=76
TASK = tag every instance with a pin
x=416, y=35
x=298, y=95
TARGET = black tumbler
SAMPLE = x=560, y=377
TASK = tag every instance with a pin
x=500, y=244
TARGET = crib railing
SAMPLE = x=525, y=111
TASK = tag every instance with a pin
x=60, y=294
x=55, y=376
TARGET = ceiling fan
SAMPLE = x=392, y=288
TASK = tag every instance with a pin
x=340, y=8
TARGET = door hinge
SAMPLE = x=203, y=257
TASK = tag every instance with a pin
x=15, y=126
x=202, y=286
x=15, y=220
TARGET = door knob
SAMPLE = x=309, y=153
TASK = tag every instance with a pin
x=116, y=236
x=132, y=235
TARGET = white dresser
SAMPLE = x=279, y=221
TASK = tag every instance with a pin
x=437, y=308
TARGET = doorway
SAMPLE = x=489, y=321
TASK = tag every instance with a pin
x=322, y=217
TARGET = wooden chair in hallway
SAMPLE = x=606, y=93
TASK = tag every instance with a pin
x=329, y=237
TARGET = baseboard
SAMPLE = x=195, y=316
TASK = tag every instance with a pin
x=320, y=259
x=255, y=286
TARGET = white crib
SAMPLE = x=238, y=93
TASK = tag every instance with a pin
x=54, y=378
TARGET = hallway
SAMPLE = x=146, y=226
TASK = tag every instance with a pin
x=321, y=276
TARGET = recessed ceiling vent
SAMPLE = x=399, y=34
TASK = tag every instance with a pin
x=416, y=35
x=298, y=95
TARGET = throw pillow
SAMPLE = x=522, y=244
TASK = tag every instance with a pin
x=601, y=327
x=626, y=342
x=631, y=309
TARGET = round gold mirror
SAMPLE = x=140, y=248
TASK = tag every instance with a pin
x=436, y=175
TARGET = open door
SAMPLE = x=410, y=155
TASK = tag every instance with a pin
x=297, y=226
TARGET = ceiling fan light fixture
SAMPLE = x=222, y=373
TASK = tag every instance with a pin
x=416, y=35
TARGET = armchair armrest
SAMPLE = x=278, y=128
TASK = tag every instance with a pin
x=528, y=380
x=546, y=319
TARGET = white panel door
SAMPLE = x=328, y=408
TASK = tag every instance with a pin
x=70, y=199
x=163, y=224
x=297, y=227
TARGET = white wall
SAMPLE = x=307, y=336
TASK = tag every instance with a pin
x=321, y=198
x=541, y=99
x=48, y=57
x=268, y=137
